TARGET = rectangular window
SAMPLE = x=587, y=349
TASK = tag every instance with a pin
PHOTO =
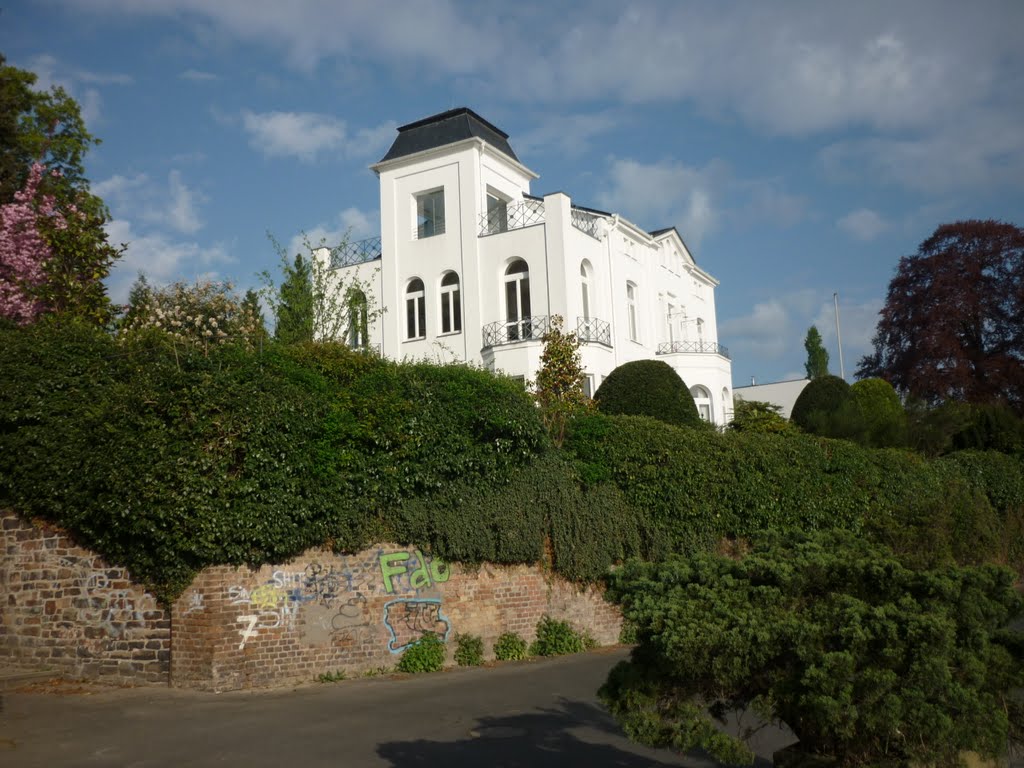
x=588, y=385
x=430, y=214
x=497, y=214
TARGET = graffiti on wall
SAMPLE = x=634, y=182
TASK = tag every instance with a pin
x=409, y=620
x=106, y=600
x=333, y=603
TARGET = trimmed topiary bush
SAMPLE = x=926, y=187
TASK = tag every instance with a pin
x=883, y=421
x=647, y=388
x=819, y=401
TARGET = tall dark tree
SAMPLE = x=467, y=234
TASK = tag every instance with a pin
x=817, y=355
x=952, y=327
x=294, y=321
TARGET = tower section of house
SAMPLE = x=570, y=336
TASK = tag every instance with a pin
x=470, y=266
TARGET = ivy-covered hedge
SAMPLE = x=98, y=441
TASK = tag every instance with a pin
x=167, y=461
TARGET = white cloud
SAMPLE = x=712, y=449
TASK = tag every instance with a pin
x=50, y=73
x=351, y=223
x=771, y=335
x=173, y=207
x=198, y=76
x=307, y=134
x=863, y=224
x=162, y=259
x=665, y=194
x=564, y=134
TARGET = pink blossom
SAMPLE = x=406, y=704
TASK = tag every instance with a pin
x=23, y=249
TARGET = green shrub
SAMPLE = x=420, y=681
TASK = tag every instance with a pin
x=558, y=638
x=647, y=388
x=758, y=416
x=510, y=647
x=425, y=655
x=864, y=659
x=883, y=422
x=469, y=650
x=991, y=427
x=819, y=401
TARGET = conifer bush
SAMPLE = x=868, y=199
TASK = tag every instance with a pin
x=820, y=400
x=866, y=660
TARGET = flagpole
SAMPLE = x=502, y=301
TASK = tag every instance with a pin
x=839, y=338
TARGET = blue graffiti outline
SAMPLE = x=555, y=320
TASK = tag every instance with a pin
x=394, y=636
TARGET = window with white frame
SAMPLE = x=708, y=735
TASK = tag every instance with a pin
x=702, y=399
x=588, y=384
x=451, y=304
x=357, y=319
x=631, y=311
x=430, y=213
x=415, y=310
x=517, y=301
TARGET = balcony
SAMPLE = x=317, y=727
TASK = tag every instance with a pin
x=588, y=331
x=359, y=252
x=693, y=348
x=586, y=222
x=505, y=218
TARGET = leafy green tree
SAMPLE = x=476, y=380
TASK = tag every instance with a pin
x=817, y=356
x=559, y=387
x=45, y=129
x=294, y=310
x=43, y=126
x=316, y=302
x=866, y=660
x=647, y=388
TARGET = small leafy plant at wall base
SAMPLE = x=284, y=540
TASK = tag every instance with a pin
x=469, y=651
x=558, y=638
x=510, y=647
x=332, y=677
x=427, y=655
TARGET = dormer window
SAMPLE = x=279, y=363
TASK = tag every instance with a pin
x=430, y=213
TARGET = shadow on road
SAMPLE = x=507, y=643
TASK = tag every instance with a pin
x=573, y=734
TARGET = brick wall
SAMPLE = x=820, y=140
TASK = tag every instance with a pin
x=242, y=628
x=62, y=608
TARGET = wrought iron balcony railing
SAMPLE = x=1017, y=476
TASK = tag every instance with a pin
x=525, y=213
x=586, y=222
x=693, y=347
x=359, y=252
x=588, y=330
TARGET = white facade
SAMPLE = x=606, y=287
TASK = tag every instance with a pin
x=780, y=393
x=470, y=266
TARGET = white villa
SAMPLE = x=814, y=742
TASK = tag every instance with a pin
x=470, y=264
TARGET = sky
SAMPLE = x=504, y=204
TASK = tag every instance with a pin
x=800, y=148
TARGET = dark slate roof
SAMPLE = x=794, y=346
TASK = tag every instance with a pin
x=447, y=128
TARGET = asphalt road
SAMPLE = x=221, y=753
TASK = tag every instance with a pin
x=536, y=714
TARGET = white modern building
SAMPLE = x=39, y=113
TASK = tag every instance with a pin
x=471, y=266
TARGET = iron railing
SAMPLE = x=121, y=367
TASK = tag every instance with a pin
x=525, y=213
x=590, y=329
x=693, y=347
x=586, y=222
x=359, y=252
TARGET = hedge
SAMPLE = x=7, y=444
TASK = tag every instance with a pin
x=647, y=388
x=167, y=461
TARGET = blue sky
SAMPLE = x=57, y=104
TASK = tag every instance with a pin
x=800, y=147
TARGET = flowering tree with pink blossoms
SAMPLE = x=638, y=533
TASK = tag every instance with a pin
x=24, y=250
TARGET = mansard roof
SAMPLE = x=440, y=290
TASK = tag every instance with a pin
x=447, y=128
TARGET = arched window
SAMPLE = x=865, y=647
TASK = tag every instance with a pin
x=451, y=304
x=631, y=310
x=517, y=301
x=415, y=310
x=702, y=399
x=726, y=406
x=585, y=288
x=357, y=319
